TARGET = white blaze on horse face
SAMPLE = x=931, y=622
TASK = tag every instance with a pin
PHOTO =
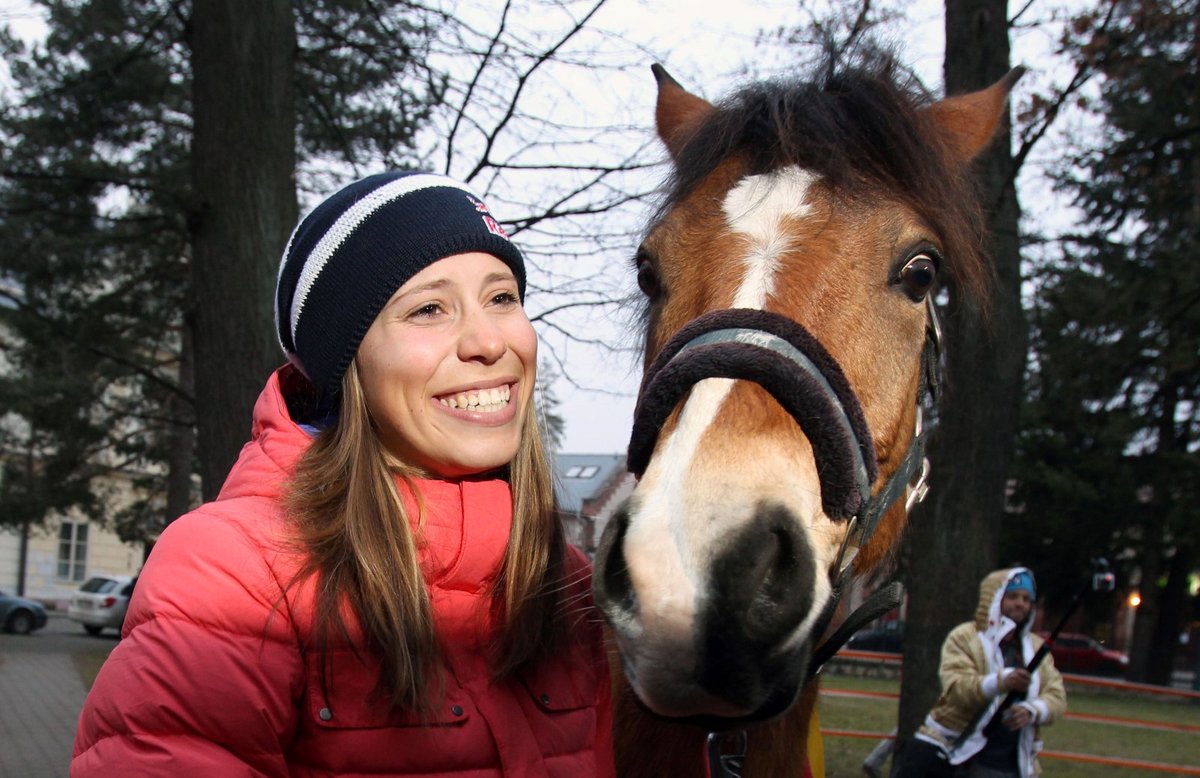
x=756, y=209
x=672, y=535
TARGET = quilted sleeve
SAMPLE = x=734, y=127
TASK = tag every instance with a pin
x=206, y=678
x=961, y=672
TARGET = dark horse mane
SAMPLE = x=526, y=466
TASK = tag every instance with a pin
x=860, y=129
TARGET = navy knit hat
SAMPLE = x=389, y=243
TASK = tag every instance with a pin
x=348, y=257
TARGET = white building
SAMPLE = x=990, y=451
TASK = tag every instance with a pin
x=61, y=556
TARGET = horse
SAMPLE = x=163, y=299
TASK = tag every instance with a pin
x=790, y=342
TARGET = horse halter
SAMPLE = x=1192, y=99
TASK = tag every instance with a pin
x=782, y=357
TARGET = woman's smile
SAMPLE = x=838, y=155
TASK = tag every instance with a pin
x=486, y=401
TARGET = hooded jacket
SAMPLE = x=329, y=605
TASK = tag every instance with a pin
x=971, y=670
x=217, y=674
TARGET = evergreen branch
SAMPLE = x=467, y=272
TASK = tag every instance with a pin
x=44, y=175
x=111, y=71
x=88, y=346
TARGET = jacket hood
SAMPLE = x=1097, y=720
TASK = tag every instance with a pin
x=988, y=618
x=276, y=443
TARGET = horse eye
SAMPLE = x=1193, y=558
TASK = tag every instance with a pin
x=647, y=278
x=918, y=276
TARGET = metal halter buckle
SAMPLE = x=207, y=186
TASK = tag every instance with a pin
x=722, y=763
x=917, y=492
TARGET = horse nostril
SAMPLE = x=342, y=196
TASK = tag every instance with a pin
x=613, y=587
x=761, y=589
x=765, y=575
x=777, y=570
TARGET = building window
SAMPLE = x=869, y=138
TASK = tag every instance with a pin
x=72, y=550
x=582, y=471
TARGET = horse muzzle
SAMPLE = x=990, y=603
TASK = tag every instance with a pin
x=734, y=648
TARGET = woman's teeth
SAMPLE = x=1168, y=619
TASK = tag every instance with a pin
x=482, y=401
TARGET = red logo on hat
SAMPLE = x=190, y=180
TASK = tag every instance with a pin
x=494, y=227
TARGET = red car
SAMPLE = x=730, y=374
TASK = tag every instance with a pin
x=1077, y=653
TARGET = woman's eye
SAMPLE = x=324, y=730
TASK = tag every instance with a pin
x=506, y=298
x=919, y=275
x=427, y=310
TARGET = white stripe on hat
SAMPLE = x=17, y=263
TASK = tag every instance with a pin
x=287, y=252
x=349, y=221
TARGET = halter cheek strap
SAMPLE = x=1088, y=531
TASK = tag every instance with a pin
x=863, y=526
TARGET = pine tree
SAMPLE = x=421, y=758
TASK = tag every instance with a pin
x=1111, y=448
x=106, y=193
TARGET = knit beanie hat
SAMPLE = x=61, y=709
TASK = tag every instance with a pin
x=1022, y=580
x=348, y=257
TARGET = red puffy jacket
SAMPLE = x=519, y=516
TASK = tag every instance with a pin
x=216, y=674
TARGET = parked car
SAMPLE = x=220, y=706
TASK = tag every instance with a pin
x=101, y=602
x=887, y=637
x=20, y=615
x=1077, y=653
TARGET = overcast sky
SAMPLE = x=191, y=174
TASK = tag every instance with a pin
x=706, y=51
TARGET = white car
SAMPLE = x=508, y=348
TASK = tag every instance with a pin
x=101, y=602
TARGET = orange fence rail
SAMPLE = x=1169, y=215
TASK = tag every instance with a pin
x=1112, y=761
x=1068, y=756
x=1083, y=680
x=1093, y=718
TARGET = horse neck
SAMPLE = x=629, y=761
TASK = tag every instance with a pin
x=650, y=747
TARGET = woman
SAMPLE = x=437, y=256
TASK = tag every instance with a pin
x=382, y=586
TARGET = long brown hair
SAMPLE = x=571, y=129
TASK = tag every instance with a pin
x=361, y=549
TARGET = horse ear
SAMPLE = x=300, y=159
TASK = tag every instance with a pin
x=678, y=111
x=969, y=121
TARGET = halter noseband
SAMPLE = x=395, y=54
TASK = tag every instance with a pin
x=780, y=355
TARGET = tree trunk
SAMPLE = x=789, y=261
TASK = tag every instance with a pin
x=1164, y=640
x=952, y=540
x=181, y=453
x=243, y=163
x=1147, y=613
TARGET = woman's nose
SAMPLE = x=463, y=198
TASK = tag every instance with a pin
x=482, y=339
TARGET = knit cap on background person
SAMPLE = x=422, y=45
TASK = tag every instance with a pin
x=1022, y=580
x=351, y=253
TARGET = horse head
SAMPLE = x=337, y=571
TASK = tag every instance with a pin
x=787, y=281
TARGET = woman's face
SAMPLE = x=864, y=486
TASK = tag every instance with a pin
x=447, y=367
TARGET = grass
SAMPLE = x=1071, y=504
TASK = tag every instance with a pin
x=843, y=755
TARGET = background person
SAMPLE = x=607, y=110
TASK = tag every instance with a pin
x=982, y=661
x=382, y=586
